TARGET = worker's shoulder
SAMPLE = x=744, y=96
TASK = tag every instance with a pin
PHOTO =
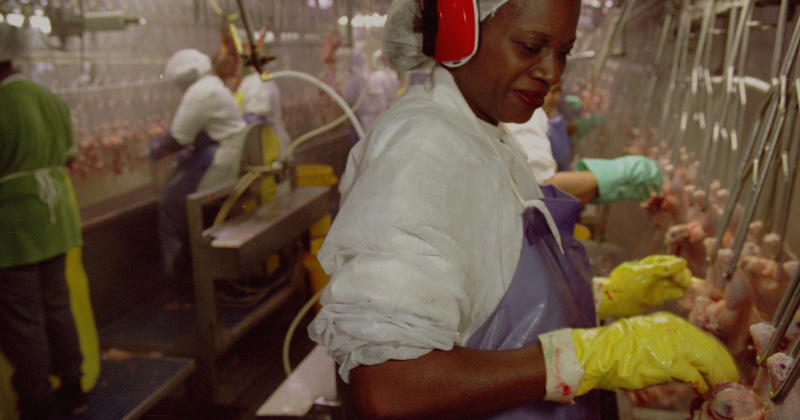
x=415, y=112
x=207, y=87
x=20, y=86
x=16, y=93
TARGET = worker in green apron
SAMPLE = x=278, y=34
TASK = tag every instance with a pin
x=40, y=236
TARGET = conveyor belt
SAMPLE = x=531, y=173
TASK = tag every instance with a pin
x=126, y=389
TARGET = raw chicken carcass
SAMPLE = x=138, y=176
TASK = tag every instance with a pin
x=696, y=290
x=715, y=273
x=731, y=326
x=767, y=282
x=686, y=240
x=665, y=396
x=778, y=366
x=773, y=244
x=732, y=401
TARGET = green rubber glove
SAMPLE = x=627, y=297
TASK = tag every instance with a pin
x=575, y=102
x=631, y=176
x=634, y=353
x=636, y=286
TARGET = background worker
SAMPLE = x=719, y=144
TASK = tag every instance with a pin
x=208, y=130
x=39, y=223
x=457, y=290
x=382, y=86
x=594, y=180
x=354, y=89
x=261, y=100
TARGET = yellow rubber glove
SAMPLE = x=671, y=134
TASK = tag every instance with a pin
x=636, y=286
x=634, y=353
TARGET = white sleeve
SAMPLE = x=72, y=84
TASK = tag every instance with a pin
x=192, y=114
x=399, y=251
x=532, y=138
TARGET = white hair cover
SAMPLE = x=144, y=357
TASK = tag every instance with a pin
x=186, y=67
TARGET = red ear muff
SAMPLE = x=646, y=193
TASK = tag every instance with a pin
x=450, y=30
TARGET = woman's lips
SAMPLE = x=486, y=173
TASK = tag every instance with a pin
x=531, y=99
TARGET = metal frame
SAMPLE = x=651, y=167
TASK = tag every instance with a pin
x=230, y=250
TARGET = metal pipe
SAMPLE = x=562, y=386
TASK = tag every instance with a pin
x=774, y=101
x=616, y=29
x=683, y=27
x=709, y=139
x=731, y=54
x=737, y=90
x=789, y=307
x=704, y=43
x=651, y=89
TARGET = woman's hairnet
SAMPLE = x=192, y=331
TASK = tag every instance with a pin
x=12, y=42
x=402, y=34
x=186, y=66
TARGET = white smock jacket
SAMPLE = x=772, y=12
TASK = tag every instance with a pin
x=429, y=231
x=532, y=137
x=208, y=105
x=264, y=99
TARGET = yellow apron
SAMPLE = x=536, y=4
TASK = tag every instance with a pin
x=87, y=335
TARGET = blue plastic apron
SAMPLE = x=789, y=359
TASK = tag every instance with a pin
x=559, y=142
x=173, y=226
x=550, y=290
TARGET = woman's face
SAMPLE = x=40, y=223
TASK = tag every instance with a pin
x=522, y=53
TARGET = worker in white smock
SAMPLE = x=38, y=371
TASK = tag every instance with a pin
x=457, y=290
x=208, y=128
x=354, y=89
x=261, y=100
x=382, y=86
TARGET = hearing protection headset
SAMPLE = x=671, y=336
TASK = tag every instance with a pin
x=450, y=30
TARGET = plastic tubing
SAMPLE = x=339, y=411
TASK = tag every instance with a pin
x=289, y=74
x=282, y=74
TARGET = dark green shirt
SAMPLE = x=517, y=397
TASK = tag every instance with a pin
x=38, y=214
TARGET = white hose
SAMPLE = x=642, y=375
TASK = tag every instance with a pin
x=327, y=89
x=287, y=74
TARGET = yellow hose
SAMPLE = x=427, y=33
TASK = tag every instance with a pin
x=288, y=339
x=221, y=12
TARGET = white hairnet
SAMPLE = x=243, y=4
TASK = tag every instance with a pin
x=402, y=36
x=12, y=42
x=186, y=66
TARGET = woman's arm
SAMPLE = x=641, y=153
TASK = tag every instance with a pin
x=456, y=384
x=581, y=185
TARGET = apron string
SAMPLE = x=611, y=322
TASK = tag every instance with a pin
x=48, y=189
x=537, y=203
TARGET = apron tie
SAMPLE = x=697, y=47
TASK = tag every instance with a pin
x=539, y=205
x=49, y=191
x=536, y=203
